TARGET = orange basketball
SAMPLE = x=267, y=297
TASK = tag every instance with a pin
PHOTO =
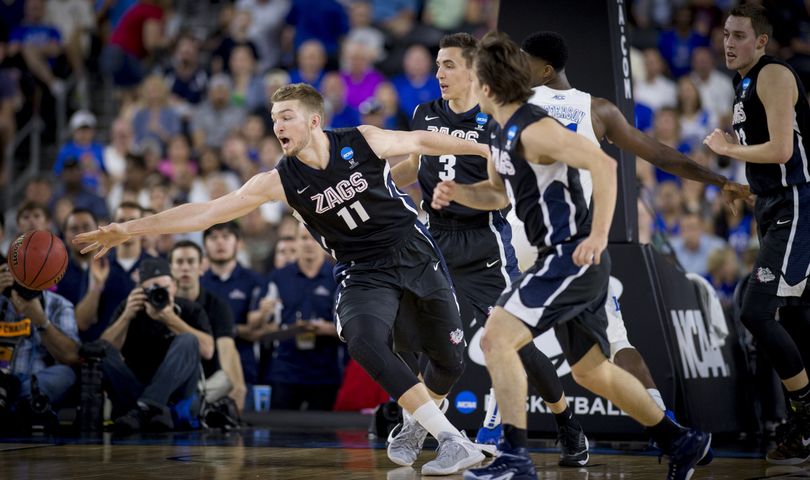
x=37, y=259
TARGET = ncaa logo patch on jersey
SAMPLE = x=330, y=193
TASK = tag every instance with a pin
x=346, y=153
x=745, y=84
x=481, y=119
x=510, y=136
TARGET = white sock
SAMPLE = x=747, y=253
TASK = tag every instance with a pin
x=434, y=421
x=657, y=398
x=492, y=417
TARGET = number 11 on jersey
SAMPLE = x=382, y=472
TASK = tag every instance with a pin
x=347, y=216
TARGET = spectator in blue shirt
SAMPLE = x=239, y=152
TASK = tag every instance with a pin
x=83, y=147
x=306, y=368
x=310, y=61
x=39, y=45
x=338, y=112
x=417, y=85
x=121, y=279
x=242, y=288
x=52, y=349
x=676, y=45
x=186, y=79
x=73, y=188
x=323, y=20
x=82, y=274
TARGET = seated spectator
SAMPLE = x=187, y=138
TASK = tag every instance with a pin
x=241, y=287
x=667, y=130
x=322, y=20
x=133, y=187
x=306, y=369
x=73, y=187
x=693, y=245
x=337, y=112
x=75, y=21
x=9, y=99
x=716, y=89
x=273, y=80
x=153, y=351
x=677, y=44
x=178, y=158
x=723, y=272
x=32, y=216
x=121, y=143
x=394, y=118
x=186, y=78
x=418, y=84
x=656, y=90
x=83, y=147
x=186, y=261
x=217, y=116
x=310, y=59
x=395, y=16
x=84, y=277
x=248, y=90
x=253, y=133
x=157, y=119
x=238, y=35
x=361, y=27
x=124, y=261
x=359, y=75
x=48, y=354
x=38, y=190
x=38, y=44
x=265, y=30
x=137, y=36
x=695, y=121
x=737, y=228
x=668, y=208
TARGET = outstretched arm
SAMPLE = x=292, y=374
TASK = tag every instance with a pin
x=777, y=90
x=489, y=194
x=190, y=217
x=546, y=141
x=391, y=143
x=631, y=139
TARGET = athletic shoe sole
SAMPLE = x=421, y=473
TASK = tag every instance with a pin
x=475, y=458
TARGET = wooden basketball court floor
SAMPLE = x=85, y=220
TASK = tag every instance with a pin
x=267, y=453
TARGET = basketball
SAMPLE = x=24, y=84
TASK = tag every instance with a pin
x=37, y=259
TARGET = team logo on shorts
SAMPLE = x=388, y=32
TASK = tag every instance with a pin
x=764, y=275
x=346, y=153
x=456, y=336
x=481, y=119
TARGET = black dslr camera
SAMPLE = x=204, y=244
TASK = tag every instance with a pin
x=157, y=296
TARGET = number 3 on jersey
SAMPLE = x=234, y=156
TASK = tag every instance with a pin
x=347, y=216
x=449, y=171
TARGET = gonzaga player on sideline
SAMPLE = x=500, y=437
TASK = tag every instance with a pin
x=545, y=166
x=476, y=245
x=340, y=185
x=772, y=123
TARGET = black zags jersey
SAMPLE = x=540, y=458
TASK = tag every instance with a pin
x=473, y=125
x=352, y=207
x=551, y=200
x=751, y=126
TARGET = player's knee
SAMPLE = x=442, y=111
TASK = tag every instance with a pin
x=494, y=340
x=367, y=355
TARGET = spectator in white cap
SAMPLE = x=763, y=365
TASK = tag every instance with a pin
x=82, y=146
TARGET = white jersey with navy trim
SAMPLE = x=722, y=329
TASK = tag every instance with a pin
x=570, y=107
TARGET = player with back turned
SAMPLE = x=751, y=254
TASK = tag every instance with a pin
x=771, y=120
x=563, y=188
x=476, y=245
x=339, y=184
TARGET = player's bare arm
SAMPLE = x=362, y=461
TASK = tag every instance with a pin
x=547, y=141
x=489, y=194
x=392, y=143
x=405, y=172
x=610, y=123
x=776, y=88
x=190, y=217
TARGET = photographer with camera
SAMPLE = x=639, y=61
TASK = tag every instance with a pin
x=186, y=261
x=153, y=351
x=41, y=373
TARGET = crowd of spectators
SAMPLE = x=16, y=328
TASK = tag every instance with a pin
x=191, y=122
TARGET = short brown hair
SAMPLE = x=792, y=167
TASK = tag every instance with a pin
x=500, y=64
x=464, y=41
x=306, y=94
x=31, y=206
x=757, y=14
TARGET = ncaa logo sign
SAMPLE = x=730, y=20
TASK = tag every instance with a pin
x=347, y=153
x=466, y=402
